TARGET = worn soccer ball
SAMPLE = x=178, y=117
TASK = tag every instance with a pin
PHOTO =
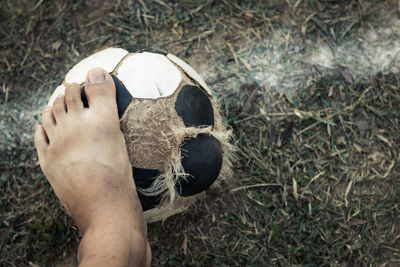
x=177, y=142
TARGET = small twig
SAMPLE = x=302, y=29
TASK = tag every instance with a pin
x=233, y=54
x=254, y=186
x=163, y=4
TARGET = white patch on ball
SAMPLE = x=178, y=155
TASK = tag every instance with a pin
x=59, y=91
x=107, y=59
x=149, y=75
x=189, y=71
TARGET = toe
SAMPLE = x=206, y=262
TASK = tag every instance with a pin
x=41, y=140
x=59, y=91
x=48, y=121
x=73, y=98
x=59, y=108
x=100, y=90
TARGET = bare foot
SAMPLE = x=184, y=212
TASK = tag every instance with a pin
x=82, y=153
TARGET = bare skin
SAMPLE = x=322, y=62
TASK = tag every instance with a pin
x=83, y=155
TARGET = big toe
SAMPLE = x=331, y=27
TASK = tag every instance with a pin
x=100, y=90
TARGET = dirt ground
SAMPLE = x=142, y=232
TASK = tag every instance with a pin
x=310, y=89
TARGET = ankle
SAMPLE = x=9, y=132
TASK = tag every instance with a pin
x=110, y=244
x=124, y=212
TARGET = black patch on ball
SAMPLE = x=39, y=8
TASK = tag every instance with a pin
x=144, y=178
x=194, y=106
x=84, y=98
x=123, y=96
x=202, y=159
x=141, y=49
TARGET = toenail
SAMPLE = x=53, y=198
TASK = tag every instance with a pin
x=96, y=76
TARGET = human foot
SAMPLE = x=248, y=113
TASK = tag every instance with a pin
x=82, y=153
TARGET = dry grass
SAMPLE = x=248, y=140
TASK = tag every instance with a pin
x=317, y=180
x=333, y=151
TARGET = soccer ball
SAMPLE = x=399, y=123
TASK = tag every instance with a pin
x=176, y=139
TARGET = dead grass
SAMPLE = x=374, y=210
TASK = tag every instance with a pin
x=317, y=180
x=333, y=151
